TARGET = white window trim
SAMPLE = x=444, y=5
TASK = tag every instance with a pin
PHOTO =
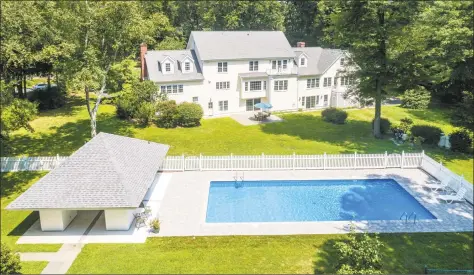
x=253, y=66
x=226, y=67
x=222, y=85
x=223, y=105
x=187, y=70
x=169, y=88
x=316, y=83
x=276, y=86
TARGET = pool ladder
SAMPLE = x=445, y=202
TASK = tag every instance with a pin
x=408, y=217
x=238, y=183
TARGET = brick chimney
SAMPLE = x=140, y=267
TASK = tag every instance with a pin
x=143, y=50
x=300, y=44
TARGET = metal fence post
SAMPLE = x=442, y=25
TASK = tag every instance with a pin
x=403, y=158
x=324, y=161
x=355, y=160
x=200, y=161
x=184, y=162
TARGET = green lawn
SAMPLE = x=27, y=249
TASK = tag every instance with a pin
x=64, y=130
x=32, y=267
x=404, y=253
x=15, y=223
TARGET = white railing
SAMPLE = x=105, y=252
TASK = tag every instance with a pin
x=14, y=164
x=274, y=162
x=288, y=162
x=441, y=173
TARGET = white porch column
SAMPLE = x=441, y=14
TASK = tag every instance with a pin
x=56, y=220
x=119, y=218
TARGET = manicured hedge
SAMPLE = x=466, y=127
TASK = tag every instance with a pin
x=189, y=114
x=418, y=98
x=334, y=115
x=461, y=141
x=430, y=134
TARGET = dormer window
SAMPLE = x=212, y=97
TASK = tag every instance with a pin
x=187, y=66
x=167, y=67
x=342, y=61
x=303, y=61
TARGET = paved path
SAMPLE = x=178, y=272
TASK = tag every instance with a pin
x=61, y=261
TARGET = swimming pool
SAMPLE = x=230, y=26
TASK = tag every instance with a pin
x=310, y=200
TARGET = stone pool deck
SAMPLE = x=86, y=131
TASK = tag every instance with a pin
x=183, y=208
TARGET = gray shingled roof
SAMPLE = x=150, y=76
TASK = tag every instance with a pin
x=152, y=58
x=227, y=45
x=319, y=59
x=109, y=171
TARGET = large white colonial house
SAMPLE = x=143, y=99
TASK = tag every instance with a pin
x=230, y=71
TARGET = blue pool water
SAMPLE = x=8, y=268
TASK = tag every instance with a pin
x=310, y=200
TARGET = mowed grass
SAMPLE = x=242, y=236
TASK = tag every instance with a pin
x=15, y=223
x=64, y=130
x=297, y=254
x=33, y=267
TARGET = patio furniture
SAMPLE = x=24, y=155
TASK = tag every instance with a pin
x=140, y=219
x=147, y=211
x=437, y=186
x=458, y=197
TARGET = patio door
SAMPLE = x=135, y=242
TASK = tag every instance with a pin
x=310, y=102
x=249, y=104
x=210, y=108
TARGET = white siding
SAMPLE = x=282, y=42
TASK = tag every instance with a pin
x=118, y=219
x=56, y=220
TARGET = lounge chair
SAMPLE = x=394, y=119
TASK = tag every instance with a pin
x=458, y=197
x=437, y=186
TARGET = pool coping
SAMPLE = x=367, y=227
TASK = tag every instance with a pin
x=190, y=196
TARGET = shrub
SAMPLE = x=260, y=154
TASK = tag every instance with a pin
x=430, y=134
x=49, y=98
x=417, y=98
x=359, y=254
x=464, y=116
x=384, y=125
x=167, y=114
x=406, y=124
x=125, y=107
x=189, y=114
x=155, y=225
x=334, y=115
x=145, y=112
x=9, y=261
x=461, y=141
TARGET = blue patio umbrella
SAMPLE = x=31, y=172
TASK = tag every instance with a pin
x=262, y=105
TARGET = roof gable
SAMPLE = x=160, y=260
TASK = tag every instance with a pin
x=319, y=60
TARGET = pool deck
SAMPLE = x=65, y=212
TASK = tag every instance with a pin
x=183, y=208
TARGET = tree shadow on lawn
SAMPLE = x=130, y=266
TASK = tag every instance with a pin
x=405, y=253
x=436, y=116
x=67, y=138
x=72, y=106
x=15, y=182
x=354, y=135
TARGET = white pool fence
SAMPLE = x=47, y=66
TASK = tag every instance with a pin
x=274, y=162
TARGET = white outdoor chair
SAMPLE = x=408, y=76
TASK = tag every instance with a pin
x=458, y=197
x=437, y=186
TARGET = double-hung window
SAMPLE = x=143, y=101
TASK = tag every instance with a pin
x=253, y=66
x=312, y=83
x=302, y=61
x=172, y=89
x=187, y=66
x=222, y=85
x=280, y=85
x=222, y=67
x=168, y=67
x=342, y=60
x=327, y=82
x=255, y=86
x=279, y=64
x=195, y=99
x=223, y=105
